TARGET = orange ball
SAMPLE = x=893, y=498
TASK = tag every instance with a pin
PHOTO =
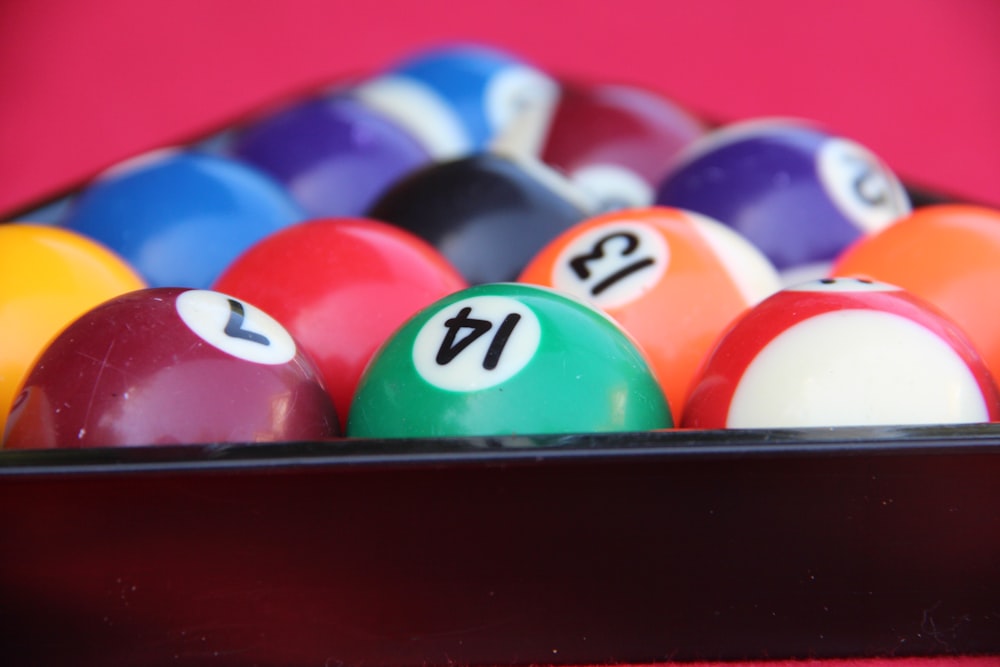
x=947, y=254
x=48, y=277
x=672, y=279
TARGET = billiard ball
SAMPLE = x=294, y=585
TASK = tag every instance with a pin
x=616, y=140
x=798, y=192
x=671, y=278
x=487, y=213
x=48, y=277
x=178, y=216
x=457, y=97
x=341, y=286
x=333, y=154
x=947, y=254
x=505, y=359
x=842, y=352
x=169, y=366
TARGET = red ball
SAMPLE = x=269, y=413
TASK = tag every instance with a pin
x=169, y=366
x=842, y=352
x=341, y=287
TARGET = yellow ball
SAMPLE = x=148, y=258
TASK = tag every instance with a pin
x=48, y=277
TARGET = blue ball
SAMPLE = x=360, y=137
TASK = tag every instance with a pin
x=333, y=154
x=796, y=191
x=457, y=98
x=180, y=218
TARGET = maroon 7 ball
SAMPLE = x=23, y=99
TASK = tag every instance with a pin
x=169, y=366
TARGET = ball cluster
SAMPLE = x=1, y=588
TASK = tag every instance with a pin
x=467, y=244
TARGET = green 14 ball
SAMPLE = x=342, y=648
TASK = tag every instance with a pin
x=502, y=359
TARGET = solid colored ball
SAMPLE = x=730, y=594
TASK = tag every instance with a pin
x=456, y=98
x=796, y=191
x=333, y=154
x=487, y=214
x=947, y=254
x=48, y=277
x=180, y=217
x=842, y=352
x=170, y=366
x=506, y=359
x=341, y=287
x=673, y=279
x=617, y=141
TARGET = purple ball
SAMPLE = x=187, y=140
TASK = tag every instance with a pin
x=335, y=155
x=797, y=192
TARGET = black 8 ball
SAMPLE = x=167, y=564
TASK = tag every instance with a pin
x=488, y=213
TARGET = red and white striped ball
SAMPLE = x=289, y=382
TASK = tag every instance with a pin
x=842, y=352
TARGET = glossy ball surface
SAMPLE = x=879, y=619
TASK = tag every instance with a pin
x=48, y=277
x=949, y=255
x=673, y=279
x=170, y=366
x=487, y=214
x=507, y=359
x=797, y=192
x=617, y=141
x=341, y=287
x=456, y=98
x=334, y=155
x=179, y=217
x=842, y=352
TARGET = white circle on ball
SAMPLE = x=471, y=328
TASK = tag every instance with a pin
x=841, y=285
x=856, y=368
x=861, y=187
x=612, y=264
x=235, y=327
x=515, y=90
x=795, y=276
x=614, y=187
x=476, y=343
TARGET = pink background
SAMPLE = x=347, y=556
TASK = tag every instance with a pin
x=85, y=84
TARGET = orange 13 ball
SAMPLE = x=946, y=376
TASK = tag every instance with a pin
x=673, y=279
x=947, y=254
